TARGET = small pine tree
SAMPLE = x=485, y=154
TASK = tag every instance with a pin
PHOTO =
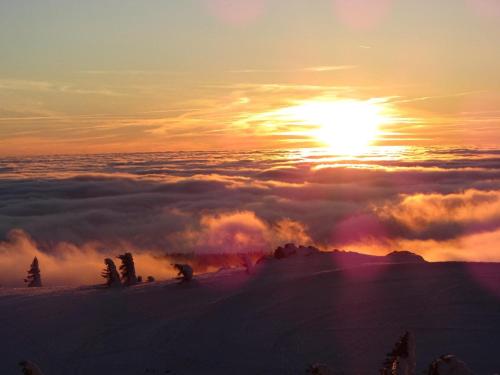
x=34, y=278
x=127, y=269
x=401, y=360
x=111, y=274
x=185, y=272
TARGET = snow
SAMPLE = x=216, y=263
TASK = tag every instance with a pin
x=285, y=316
x=30, y=368
x=449, y=365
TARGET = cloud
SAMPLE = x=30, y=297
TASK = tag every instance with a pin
x=67, y=264
x=440, y=202
x=132, y=72
x=312, y=69
x=443, y=216
x=329, y=68
x=471, y=247
x=242, y=231
x=219, y=116
x=54, y=87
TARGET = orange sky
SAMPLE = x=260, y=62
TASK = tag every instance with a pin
x=108, y=76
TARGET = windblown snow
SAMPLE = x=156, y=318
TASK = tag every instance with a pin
x=279, y=319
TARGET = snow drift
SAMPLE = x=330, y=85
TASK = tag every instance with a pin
x=284, y=316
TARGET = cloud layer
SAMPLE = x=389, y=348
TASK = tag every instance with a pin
x=443, y=203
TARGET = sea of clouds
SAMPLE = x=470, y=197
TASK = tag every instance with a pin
x=441, y=203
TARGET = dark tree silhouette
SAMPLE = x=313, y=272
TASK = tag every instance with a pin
x=34, y=279
x=285, y=252
x=185, y=272
x=127, y=269
x=401, y=359
x=111, y=274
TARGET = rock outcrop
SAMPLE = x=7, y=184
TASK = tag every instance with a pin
x=404, y=257
x=291, y=249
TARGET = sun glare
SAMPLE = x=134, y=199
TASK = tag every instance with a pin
x=346, y=126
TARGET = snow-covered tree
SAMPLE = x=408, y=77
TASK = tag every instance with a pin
x=247, y=263
x=185, y=272
x=34, y=279
x=111, y=274
x=319, y=369
x=401, y=360
x=284, y=252
x=448, y=365
x=127, y=269
x=30, y=368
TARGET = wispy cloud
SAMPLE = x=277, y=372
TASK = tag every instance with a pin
x=219, y=115
x=54, y=87
x=436, y=97
x=327, y=68
x=132, y=72
x=313, y=69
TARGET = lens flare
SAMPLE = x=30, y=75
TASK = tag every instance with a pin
x=361, y=14
x=236, y=12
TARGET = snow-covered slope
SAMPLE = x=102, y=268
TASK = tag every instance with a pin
x=286, y=315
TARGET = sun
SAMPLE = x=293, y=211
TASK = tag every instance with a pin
x=346, y=126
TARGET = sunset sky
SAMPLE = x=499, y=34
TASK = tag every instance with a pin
x=241, y=125
x=128, y=75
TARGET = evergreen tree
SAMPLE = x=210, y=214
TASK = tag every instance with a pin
x=127, y=269
x=111, y=274
x=185, y=272
x=401, y=360
x=34, y=279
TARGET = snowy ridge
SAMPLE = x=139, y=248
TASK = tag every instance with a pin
x=283, y=317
